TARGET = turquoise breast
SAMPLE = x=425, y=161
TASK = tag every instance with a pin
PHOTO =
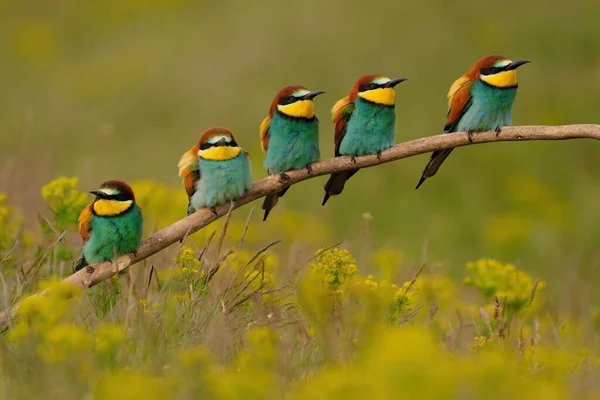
x=120, y=234
x=221, y=181
x=491, y=108
x=370, y=130
x=293, y=143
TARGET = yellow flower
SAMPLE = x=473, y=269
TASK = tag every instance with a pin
x=478, y=342
x=336, y=267
x=10, y=223
x=504, y=281
x=64, y=201
x=130, y=384
x=144, y=305
x=108, y=336
x=63, y=341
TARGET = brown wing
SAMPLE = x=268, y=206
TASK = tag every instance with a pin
x=459, y=97
x=264, y=132
x=341, y=113
x=85, y=222
x=189, y=170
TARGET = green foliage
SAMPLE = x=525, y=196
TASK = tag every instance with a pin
x=65, y=203
x=335, y=266
x=217, y=323
x=502, y=281
x=188, y=271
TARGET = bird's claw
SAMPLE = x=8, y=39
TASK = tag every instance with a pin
x=498, y=130
x=214, y=211
x=353, y=159
x=309, y=168
x=135, y=253
x=470, y=135
x=379, y=155
x=284, y=177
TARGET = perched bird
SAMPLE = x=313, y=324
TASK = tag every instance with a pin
x=289, y=136
x=480, y=100
x=214, y=171
x=365, y=123
x=110, y=226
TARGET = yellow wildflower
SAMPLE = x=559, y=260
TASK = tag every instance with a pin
x=108, y=337
x=336, y=266
x=10, y=222
x=494, y=279
x=62, y=341
x=65, y=201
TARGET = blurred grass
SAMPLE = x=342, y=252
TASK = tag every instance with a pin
x=107, y=89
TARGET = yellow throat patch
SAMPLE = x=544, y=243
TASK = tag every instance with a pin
x=298, y=109
x=110, y=208
x=383, y=96
x=502, y=79
x=220, y=153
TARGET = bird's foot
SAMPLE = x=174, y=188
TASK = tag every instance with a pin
x=214, y=211
x=284, y=177
x=498, y=130
x=353, y=159
x=379, y=155
x=470, y=135
x=135, y=253
x=309, y=168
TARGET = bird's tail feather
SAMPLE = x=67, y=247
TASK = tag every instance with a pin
x=436, y=160
x=81, y=263
x=335, y=184
x=271, y=201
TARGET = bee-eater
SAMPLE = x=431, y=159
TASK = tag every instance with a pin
x=480, y=100
x=214, y=171
x=111, y=225
x=289, y=136
x=365, y=123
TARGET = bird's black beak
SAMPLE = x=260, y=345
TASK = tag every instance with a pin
x=222, y=142
x=99, y=193
x=394, y=82
x=516, y=64
x=312, y=95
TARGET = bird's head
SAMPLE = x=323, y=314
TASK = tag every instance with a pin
x=375, y=89
x=112, y=198
x=218, y=144
x=295, y=101
x=498, y=71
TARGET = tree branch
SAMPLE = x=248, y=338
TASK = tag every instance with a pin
x=94, y=274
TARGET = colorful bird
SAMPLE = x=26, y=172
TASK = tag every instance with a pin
x=289, y=136
x=365, y=123
x=480, y=100
x=215, y=171
x=110, y=226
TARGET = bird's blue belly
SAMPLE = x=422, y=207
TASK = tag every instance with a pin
x=221, y=181
x=370, y=130
x=293, y=144
x=491, y=109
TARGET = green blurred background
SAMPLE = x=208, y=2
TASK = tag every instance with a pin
x=120, y=89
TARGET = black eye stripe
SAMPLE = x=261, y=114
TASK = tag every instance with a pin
x=287, y=100
x=208, y=145
x=491, y=70
x=369, y=86
x=118, y=197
